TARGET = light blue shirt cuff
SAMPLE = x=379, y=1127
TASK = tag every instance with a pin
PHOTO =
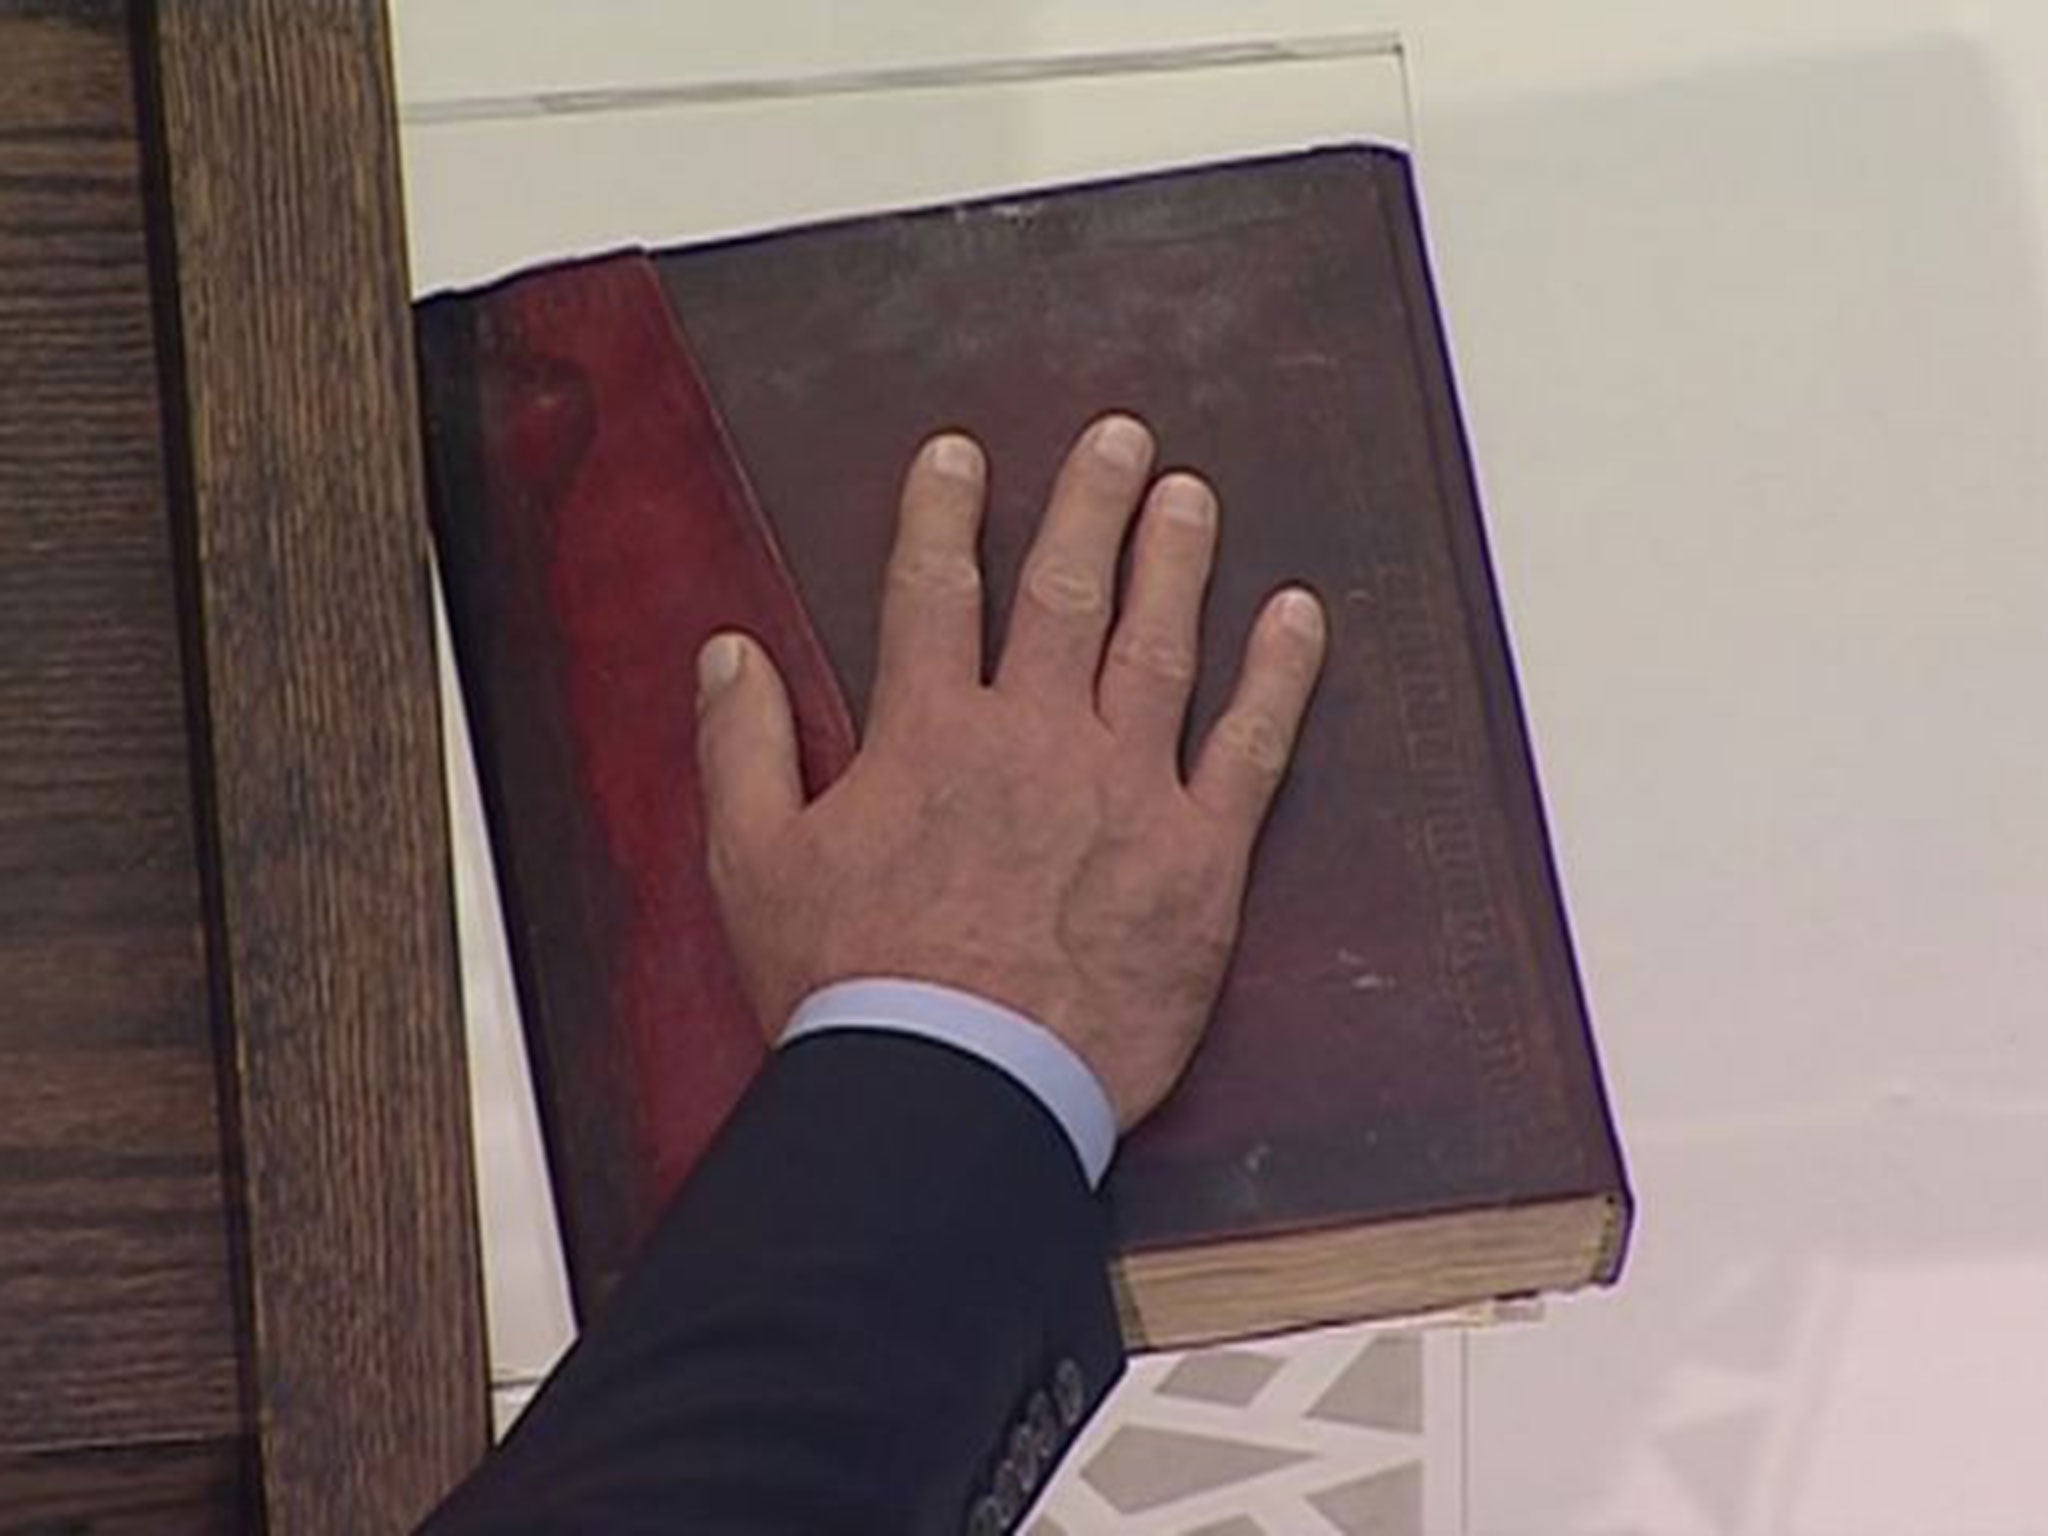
x=1042, y=1063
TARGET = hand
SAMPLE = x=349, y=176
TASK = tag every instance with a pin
x=1031, y=839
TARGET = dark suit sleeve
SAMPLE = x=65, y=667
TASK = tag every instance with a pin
x=880, y=1305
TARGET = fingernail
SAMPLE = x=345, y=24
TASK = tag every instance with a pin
x=717, y=665
x=957, y=455
x=1185, y=500
x=1300, y=612
x=1123, y=441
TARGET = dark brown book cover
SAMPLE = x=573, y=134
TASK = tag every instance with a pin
x=630, y=452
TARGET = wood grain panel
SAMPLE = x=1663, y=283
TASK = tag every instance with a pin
x=170, y=1488
x=332, y=890
x=116, y=1305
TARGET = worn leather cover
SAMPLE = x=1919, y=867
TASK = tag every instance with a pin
x=1402, y=1031
x=594, y=530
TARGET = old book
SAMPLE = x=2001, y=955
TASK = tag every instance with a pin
x=1398, y=1107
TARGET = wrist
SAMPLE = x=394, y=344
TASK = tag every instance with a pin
x=1046, y=1066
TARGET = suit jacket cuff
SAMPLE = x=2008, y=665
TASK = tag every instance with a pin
x=1041, y=1062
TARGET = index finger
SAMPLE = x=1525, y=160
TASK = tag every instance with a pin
x=931, y=600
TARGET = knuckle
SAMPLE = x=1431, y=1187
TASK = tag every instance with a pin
x=1255, y=738
x=721, y=864
x=1065, y=585
x=935, y=572
x=1159, y=654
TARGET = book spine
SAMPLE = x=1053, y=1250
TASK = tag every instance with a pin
x=607, y=530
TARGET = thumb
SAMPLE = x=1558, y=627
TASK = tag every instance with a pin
x=746, y=748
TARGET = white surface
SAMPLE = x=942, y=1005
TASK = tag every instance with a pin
x=1752, y=327
x=1749, y=317
x=505, y=166
x=526, y=1291
x=456, y=50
